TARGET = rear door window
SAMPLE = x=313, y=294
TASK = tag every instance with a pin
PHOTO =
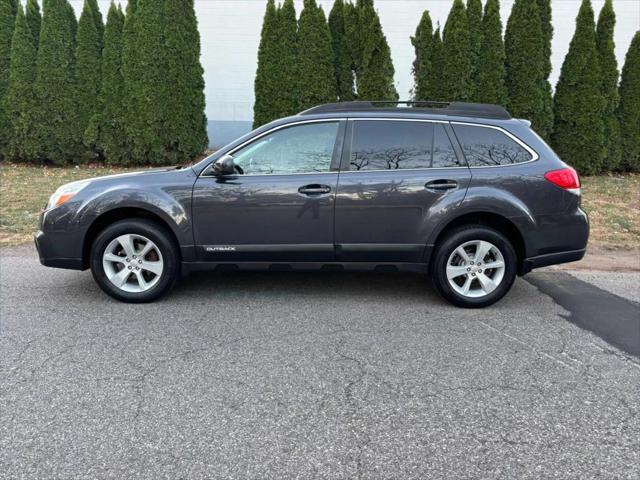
x=443, y=153
x=489, y=147
x=399, y=145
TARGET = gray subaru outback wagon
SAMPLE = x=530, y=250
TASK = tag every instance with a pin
x=459, y=191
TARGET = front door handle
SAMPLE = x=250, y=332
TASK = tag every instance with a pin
x=314, y=189
x=441, y=184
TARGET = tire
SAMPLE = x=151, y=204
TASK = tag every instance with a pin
x=483, y=286
x=116, y=250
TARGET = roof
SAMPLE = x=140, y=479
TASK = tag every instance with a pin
x=461, y=109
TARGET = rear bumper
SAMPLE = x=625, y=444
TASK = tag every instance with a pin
x=551, y=259
x=557, y=238
x=50, y=258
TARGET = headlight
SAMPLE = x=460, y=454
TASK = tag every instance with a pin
x=65, y=193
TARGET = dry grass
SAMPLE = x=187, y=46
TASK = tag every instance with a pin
x=24, y=191
x=613, y=205
x=612, y=201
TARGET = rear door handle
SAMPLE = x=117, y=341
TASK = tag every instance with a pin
x=314, y=189
x=441, y=184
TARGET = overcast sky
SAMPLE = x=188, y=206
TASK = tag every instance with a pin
x=230, y=32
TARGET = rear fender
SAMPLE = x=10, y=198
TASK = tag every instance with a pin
x=486, y=200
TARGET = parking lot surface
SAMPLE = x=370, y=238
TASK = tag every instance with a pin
x=293, y=375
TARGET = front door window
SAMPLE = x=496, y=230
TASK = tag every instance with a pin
x=306, y=148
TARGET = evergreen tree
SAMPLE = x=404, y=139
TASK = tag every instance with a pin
x=265, y=87
x=375, y=78
x=578, y=133
x=316, y=80
x=73, y=21
x=490, y=86
x=546, y=116
x=286, y=71
x=544, y=10
x=353, y=34
x=20, y=103
x=127, y=70
x=524, y=62
x=8, y=9
x=629, y=109
x=341, y=52
x=56, y=130
x=127, y=30
x=609, y=67
x=12, y=9
x=88, y=73
x=97, y=19
x=186, y=124
x=421, y=42
x=474, y=20
x=34, y=19
x=108, y=126
x=435, y=79
x=457, y=54
x=145, y=87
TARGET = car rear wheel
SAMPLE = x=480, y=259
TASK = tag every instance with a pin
x=474, y=266
x=134, y=260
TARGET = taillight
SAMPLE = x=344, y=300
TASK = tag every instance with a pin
x=565, y=178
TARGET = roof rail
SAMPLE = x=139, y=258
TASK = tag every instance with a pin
x=482, y=110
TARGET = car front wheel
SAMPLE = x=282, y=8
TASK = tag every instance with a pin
x=474, y=266
x=134, y=260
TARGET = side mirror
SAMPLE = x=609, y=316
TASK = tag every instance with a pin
x=224, y=166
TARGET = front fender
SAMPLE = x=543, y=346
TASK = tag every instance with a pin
x=165, y=194
x=154, y=200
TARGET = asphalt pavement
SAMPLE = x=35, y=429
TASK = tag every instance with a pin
x=294, y=375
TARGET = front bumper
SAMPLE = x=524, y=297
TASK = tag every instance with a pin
x=49, y=256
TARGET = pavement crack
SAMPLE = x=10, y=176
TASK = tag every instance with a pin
x=563, y=351
x=140, y=381
x=20, y=354
x=361, y=439
x=618, y=354
x=528, y=346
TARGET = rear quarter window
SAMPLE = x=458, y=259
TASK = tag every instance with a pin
x=489, y=147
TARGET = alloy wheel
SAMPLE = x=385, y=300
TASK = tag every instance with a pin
x=133, y=263
x=475, y=268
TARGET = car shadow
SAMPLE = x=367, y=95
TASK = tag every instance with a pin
x=212, y=288
x=381, y=286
